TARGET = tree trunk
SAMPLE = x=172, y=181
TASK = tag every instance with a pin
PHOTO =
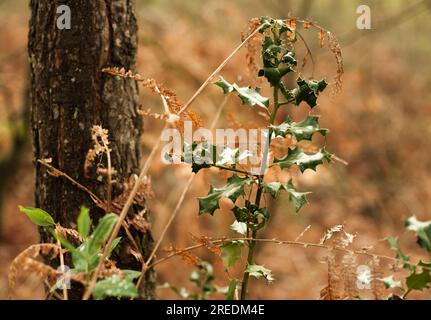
x=70, y=94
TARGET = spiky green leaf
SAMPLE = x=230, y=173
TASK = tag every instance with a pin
x=248, y=96
x=303, y=130
x=259, y=271
x=393, y=242
x=308, y=91
x=303, y=160
x=422, y=230
x=298, y=198
x=422, y=280
x=240, y=227
x=232, y=190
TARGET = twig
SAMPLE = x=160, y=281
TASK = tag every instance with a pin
x=109, y=191
x=178, y=205
x=284, y=242
x=58, y=173
x=65, y=295
x=217, y=70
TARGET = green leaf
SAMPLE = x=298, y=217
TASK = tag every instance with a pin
x=102, y=232
x=230, y=295
x=422, y=230
x=390, y=282
x=38, y=216
x=420, y=281
x=232, y=190
x=303, y=130
x=84, y=222
x=231, y=252
x=274, y=74
x=115, y=286
x=239, y=227
x=393, y=242
x=131, y=274
x=308, y=91
x=248, y=96
x=259, y=271
x=114, y=244
x=303, y=160
x=289, y=59
x=204, y=155
x=63, y=241
x=298, y=198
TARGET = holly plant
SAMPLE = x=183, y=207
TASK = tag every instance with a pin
x=419, y=274
x=278, y=64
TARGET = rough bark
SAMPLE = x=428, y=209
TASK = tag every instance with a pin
x=70, y=94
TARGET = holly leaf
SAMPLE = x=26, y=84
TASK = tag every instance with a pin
x=232, y=190
x=259, y=271
x=115, y=286
x=390, y=282
x=274, y=74
x=303, y=130
x=308, y=91
x=240, y=227
x=422, y=230
x=393, y=242
x=38, y=216
x=248, y=96
x=231, y=252
x=420, y=281
x=84, y=222
x=203, y=155
x=303, y=160
x=298, y=198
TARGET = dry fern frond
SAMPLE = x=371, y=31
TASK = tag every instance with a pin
x=377, y=285
x=145, y=191
x=335, y=48
x=170, y=99
x=24, y=261
x=99, y=136
x=188, y=257
x=332, y=289
x=64, y=232
x=349, y=277
x=207, y=243
x=139, y=222
x=252, y=46
x=343, y=239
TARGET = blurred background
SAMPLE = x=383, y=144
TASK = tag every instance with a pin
x=380, y=124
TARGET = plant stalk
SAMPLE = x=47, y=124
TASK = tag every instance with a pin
x=252, y=243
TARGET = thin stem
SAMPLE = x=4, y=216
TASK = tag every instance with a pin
x=109, y=187
x=234, y=170
x=63, y=270
x=217, y=70
x=251, y=248
x=252, y=243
